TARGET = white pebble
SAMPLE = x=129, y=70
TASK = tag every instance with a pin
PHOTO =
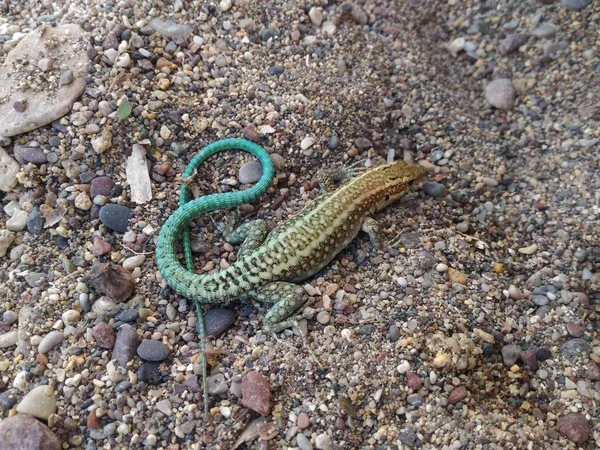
x=134, y=261
x=71, y=316
x=8, y=339
x=316, y=16
x=329, y=28
x=323, y=442
x=165, y=133
x=307, y=142
x=456, y=46
x=403, y=367
x=124, y=60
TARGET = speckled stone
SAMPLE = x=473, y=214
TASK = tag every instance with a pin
x=574, y=348
x=500, y=93
x=510, y=354
x=150, y=373
x=104, y=335
x=24, y=432
x=574, y=427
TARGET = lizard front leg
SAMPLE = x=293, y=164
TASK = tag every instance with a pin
x=289, y=298
x=372, y=228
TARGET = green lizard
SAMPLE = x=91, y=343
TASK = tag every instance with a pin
x=270, y=264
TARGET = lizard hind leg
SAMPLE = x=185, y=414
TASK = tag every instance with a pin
x=289, y=298
x=252, y=234
x=328, y=178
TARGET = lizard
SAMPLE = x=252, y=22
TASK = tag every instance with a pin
x=270, y=265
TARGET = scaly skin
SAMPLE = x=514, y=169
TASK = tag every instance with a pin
x=267, y=265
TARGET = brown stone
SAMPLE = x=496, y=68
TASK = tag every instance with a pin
x=458, y=394
x=93, y=421
x=104, y=335
x=256, y=393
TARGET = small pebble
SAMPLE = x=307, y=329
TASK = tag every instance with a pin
x=500, y=94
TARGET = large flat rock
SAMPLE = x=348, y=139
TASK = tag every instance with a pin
x=31, y=93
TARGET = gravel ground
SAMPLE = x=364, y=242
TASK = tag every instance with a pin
x=479, y=330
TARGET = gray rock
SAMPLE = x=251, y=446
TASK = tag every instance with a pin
x=35, y=221
x=574, y=348
x=51, y=340
x=544, y=31
x=363, y=143
x=66, y=77
x=216, y=384
x=34, y=155
x=217, y=320
x=8, y=400
x=250, y=172
x=171, y=29
x=115, y=217
x=410, y=239
x=333, y=142
x=152, y=350
x=43, y=105
x=511, y=43
x=408, y=438
x=10, y=316
x=500, y=94
x=24, y=432
x=576, y=5
x=267, y=33
x=434, y=189
x=150, y=373
x=276, y=70
x=110, y=41
x=128, y=315
x=510, y=354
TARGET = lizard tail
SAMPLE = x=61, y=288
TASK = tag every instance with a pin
x=182, y=279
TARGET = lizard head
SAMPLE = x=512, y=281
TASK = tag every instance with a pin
x=397, y=178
